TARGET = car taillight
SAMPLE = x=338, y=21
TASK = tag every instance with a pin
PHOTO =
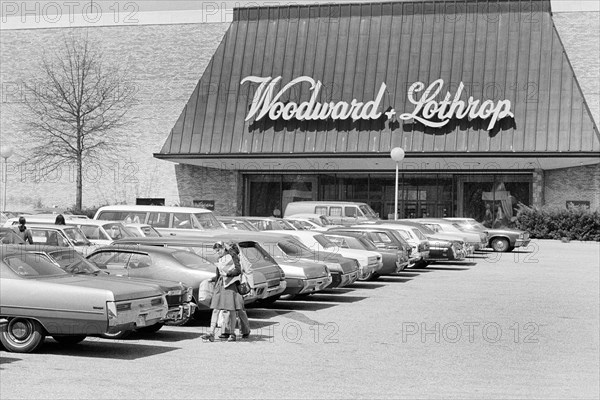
x=124, y=307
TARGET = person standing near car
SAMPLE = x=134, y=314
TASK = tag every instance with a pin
x=60, y=220
x=24, y=232
x=226, y=298
x=234, y=252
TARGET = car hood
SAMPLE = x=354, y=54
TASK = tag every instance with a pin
x=121, y=290
x=505, y=231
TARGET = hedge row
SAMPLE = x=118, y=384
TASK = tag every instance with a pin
x=574, y=223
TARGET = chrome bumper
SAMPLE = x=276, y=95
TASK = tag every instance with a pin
x=314, y=285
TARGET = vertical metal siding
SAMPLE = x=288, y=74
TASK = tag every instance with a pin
x=499, y=49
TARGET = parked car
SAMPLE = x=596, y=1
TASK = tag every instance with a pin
x=338, y=212
x=267, y=278
x=101, y=233
x=142, y=230
x=501, y=240
x=318, y=219
x=369, y=261
x=238, y=224
x=61, y=236
x=305, y=224
x=39, y=299
x=9, y=236
x=395, y=255
x=151, y=262
x=269, y=224
x=179, y=297
x=476, y=239
x=419, y=256
x=442, y=246
x=301, y=276
x=169, y=221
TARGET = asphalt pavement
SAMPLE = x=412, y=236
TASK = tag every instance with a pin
x=496, y=326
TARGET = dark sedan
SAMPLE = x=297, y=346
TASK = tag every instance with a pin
x=162, y=264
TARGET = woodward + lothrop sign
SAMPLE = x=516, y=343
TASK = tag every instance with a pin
x=428, y=111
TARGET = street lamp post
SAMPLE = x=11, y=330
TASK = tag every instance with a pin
x=5, y=153
x=397, y=155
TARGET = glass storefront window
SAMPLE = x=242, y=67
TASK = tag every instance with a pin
x=494, y=200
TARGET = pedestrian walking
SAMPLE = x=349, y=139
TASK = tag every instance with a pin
x=226, y=298
x=24, y=232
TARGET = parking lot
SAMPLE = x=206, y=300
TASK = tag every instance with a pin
x=512, y=325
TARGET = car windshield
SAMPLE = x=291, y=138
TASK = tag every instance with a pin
x=7, y=236
x=76, y=236
x=426, y=230
x=117, y=231
x=281, y=225
x=368, y=211
x=32, y=266
x=367, y=244
x=294, y=247
x=192, y=261
x=257, y=256
x=206, y=220
x=323, y=241
x=74, y=263
x=418, y=234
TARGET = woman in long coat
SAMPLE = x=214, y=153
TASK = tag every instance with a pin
x=226, y=298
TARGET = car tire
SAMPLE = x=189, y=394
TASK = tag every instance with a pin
x=500, y=245
x=147, y=330
x=69, y=340
x=117, y=336
x=178, y=323
x=367, y=278
x=269, y=301
x=420, y=264
x=22, y=335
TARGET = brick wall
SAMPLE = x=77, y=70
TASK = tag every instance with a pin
x=580, y=35
x=224, y=187
x=580, y=184
x=165, y=64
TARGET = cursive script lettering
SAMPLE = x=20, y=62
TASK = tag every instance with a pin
x=267, y=103
x=426, y=108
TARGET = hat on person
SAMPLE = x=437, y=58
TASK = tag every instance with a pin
x=218, y=245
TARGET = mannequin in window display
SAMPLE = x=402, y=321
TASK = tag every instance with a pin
x=488, y=218
x=500, y=220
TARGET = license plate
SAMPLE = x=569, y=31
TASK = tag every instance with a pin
x=141, y=321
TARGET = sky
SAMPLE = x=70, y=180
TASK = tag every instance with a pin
x=28, y=14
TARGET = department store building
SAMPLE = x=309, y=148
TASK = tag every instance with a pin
x=306, y=103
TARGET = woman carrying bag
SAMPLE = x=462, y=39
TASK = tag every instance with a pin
x=226, y=298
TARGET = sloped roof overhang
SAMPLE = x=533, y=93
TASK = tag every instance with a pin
x=499, y=50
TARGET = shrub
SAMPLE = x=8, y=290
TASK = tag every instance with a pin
x=575, y=223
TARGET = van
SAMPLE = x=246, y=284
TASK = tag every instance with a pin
x=338, y=212
x=169, y=221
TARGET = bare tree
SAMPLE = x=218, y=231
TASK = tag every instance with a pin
x=77, y=105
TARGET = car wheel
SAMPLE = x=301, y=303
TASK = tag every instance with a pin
x=69, y=340
x=117, y=335
x=150, y=329
x=375, y=276
x=420, y=264
x=269, y=300
x=366, y=277
x=22, y=335
x=178, y=323
x=500, y=245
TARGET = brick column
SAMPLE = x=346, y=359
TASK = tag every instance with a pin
x=538, y=188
